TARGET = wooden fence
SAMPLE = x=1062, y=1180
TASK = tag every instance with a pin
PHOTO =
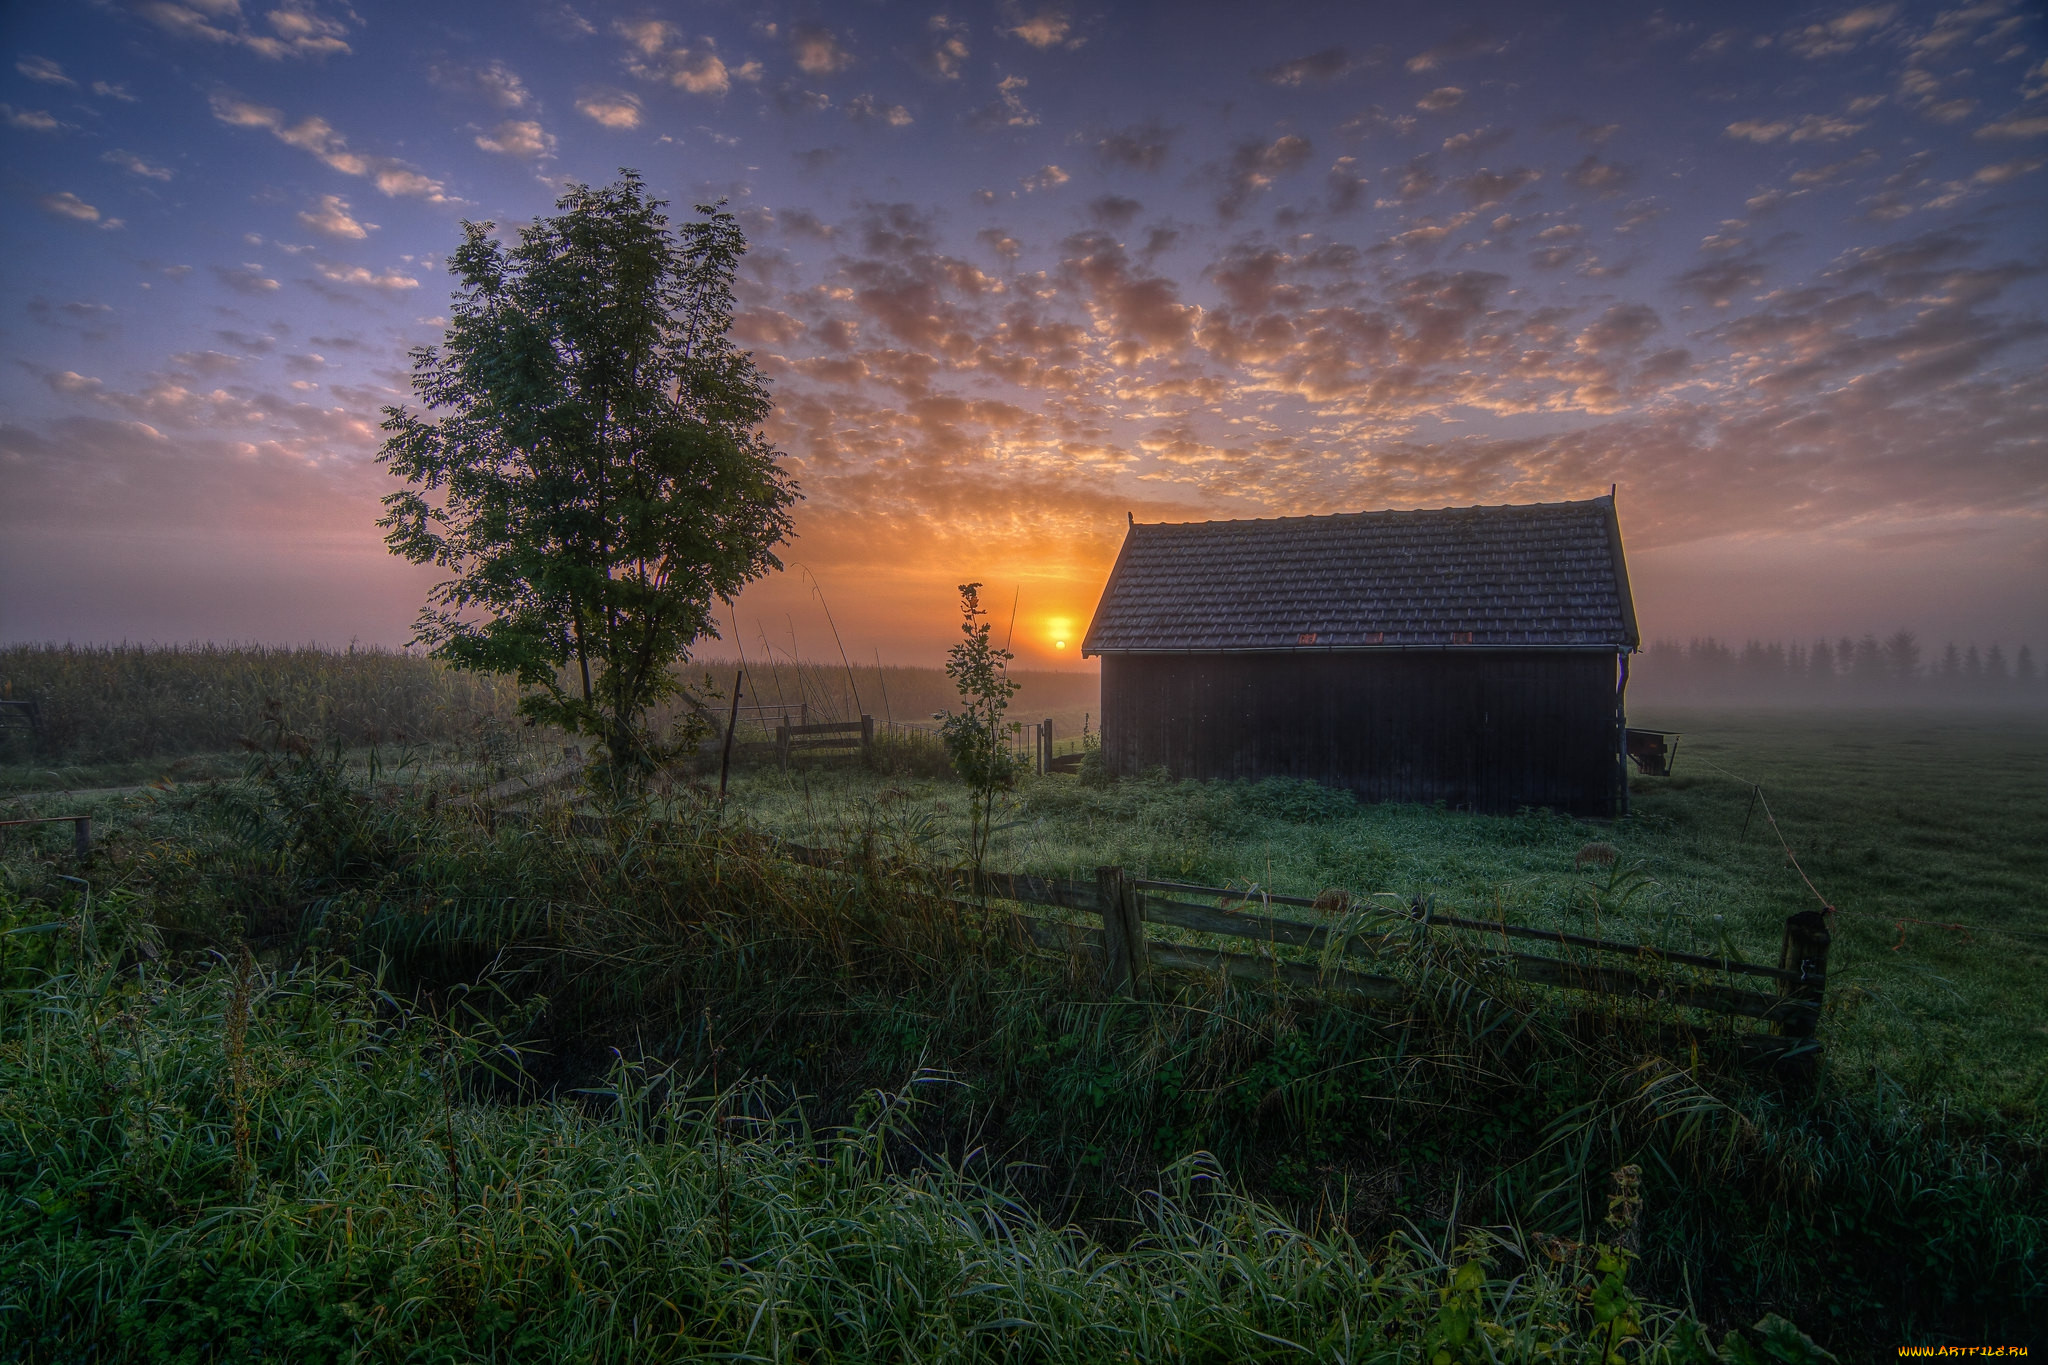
x=1789, y=1002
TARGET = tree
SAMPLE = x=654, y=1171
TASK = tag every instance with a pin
x=974, y=734
x=592, y=438
x=1902, y=658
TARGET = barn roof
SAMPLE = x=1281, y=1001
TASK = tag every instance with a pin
x=1539, y=576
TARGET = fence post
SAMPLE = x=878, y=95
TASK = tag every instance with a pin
x=1131, y=907
x=81, y=836
x=782, y=744
x=1805, y=951
x=867, y=737
x=1117, y=898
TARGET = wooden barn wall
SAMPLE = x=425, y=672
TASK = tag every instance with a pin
x=1477, y=730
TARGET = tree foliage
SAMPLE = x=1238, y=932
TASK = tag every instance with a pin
x=593, y=452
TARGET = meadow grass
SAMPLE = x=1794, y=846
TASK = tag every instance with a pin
x=240, y=1164
x=1897, y=1203
x=1906, y=822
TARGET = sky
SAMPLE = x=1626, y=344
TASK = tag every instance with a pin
x=1020, y=271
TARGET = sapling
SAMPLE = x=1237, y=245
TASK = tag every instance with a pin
x=974, y=734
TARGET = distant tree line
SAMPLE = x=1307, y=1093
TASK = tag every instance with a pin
x=1894, y=669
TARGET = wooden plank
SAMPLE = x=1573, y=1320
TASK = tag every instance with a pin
x=1242, y=897
x=1240, y=967
x=1557, y=936
x=530, y=784
x=1549, y=971
x=838, y=727
x=1072, y=938
x=1035, y=890
x=1059, y=938
x=1294, y=933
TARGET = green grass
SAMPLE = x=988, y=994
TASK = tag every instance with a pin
x=1897, y=817
x=1903, y=1201
x=208, y=1160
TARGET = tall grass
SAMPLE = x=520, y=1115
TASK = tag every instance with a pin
x=1860, y=1216
x=116, y=703
x=240, y=1163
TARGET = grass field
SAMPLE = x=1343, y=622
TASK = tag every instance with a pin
x=1906, y=822
x=527, y=1060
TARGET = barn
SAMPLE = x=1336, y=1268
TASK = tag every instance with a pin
x=1475, y=656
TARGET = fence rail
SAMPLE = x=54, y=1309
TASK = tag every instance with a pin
x=1127, y=954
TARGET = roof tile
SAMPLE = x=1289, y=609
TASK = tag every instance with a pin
x=1543, y=574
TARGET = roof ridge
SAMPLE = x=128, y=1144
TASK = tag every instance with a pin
x=1571, y=503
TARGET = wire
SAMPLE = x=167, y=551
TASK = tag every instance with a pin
x=1899, y=922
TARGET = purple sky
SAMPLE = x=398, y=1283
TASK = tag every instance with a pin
x=1018, y=269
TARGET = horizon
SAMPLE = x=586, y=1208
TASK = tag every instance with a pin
x=1020, y=270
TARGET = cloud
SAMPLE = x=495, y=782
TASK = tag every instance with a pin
x=1623, y=327
x=1001, y=243
x=663, y=54
x=945, y=50
x=522, y=138
x=1486, y=186
x=246, y=279
x=1444, y=97
x=365, y=277
x=32, y=120
x=330, y=215
x=1840, y=34
x=494, y=83
x=1719, y=282
x=1345, y=185
x=1140, y=147
x=1140, y=314
x=1810, y=128
x=868, y=109
x=316, y=136
x=1008, y=111
x=1254, y=166
x=44, y=70
x=610, y=108
x=65, y=204
x=1470, y=40
x=2006, y=171
x=108, y=90
x=1044, y=178
x=1114, y=210
x=1320, y=68
x=298, y=28
x=2016, y=125
x=1047, y=27
x=1376, y=120
x=817, y=50
x=1601, y=177
x=1478, y=140
x=135, y=165
x=1835, y=170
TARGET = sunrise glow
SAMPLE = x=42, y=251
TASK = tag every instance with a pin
x=1009, y=289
